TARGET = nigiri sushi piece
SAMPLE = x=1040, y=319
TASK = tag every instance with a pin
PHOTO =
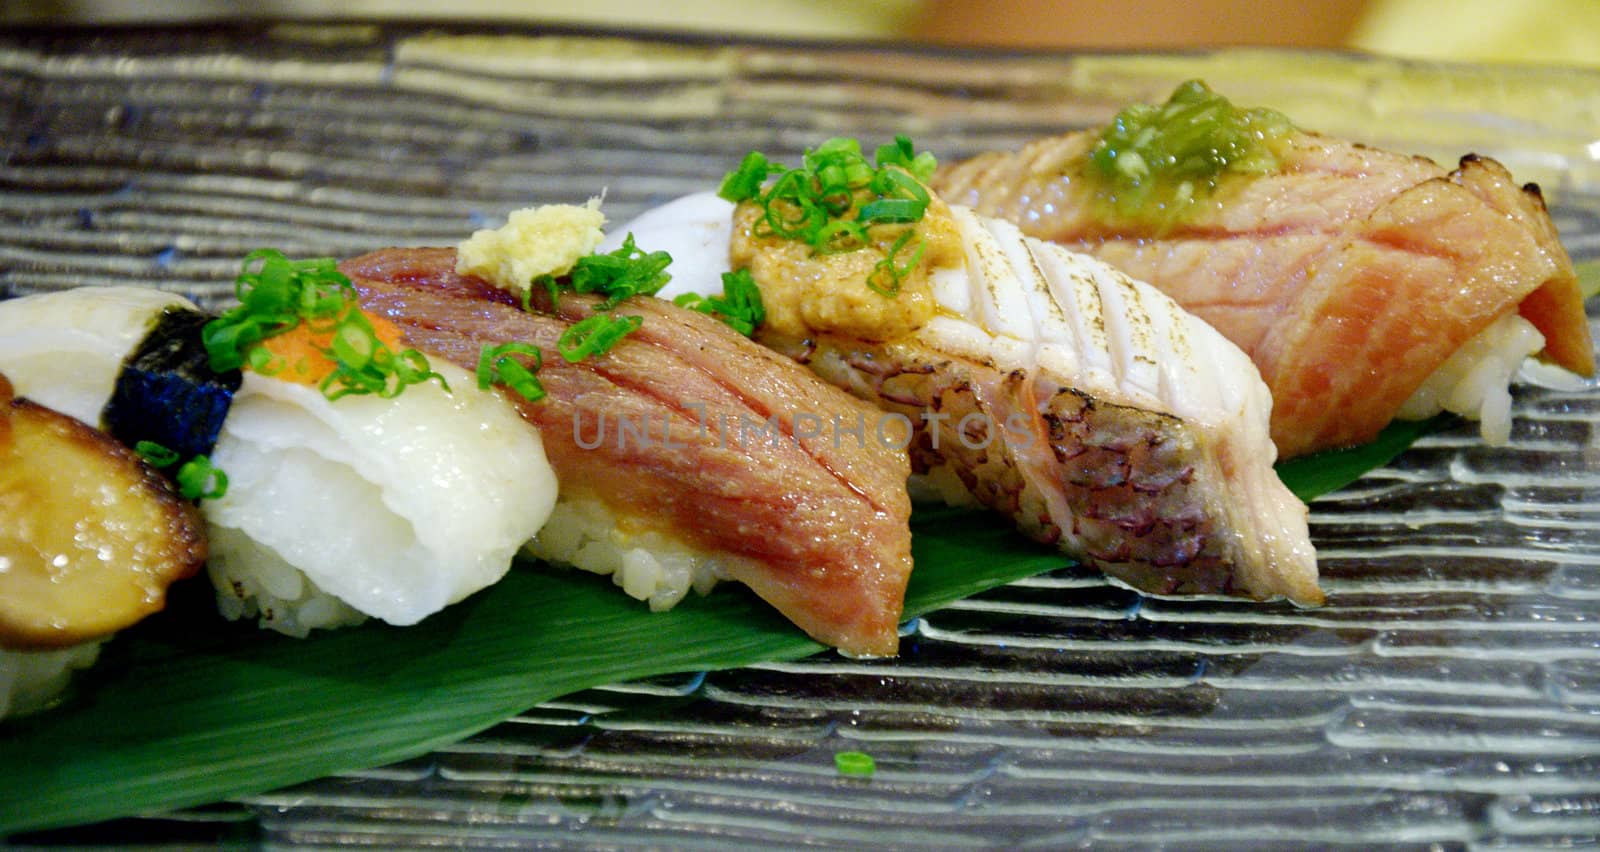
x=91, y=538
x=683, y=452
x=1350, y=275
x=64, y=350
x=336, y=510
x=1090, y=408
x=339, y=510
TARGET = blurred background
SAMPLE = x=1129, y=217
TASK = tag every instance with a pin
x=1532, y=31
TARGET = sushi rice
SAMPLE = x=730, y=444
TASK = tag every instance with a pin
x=1475, y=380
x=647, y=565
x=31, y=680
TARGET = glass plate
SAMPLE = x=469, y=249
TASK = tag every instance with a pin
x=1448, y=695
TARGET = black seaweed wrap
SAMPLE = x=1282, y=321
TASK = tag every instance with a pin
x=167, y=392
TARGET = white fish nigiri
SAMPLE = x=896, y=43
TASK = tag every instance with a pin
x=1089, y=407
x=362, y=506
x=63, y=350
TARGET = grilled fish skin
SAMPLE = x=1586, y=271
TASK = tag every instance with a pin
x=1094, y=412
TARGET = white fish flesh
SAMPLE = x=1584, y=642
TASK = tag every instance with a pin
x=395, y=507
x=63, y=350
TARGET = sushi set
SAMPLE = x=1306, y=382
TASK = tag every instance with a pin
x=1089, y=350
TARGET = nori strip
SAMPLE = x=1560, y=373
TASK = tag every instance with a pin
x=167, y=391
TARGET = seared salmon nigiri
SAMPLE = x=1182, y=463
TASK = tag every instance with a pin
x=1363, y=284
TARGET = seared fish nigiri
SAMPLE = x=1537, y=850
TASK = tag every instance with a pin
x=678, y=452
x=1351, y=276
x=1090, y=408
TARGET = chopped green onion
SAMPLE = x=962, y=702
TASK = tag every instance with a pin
x=811, y=204
x=901, y=153
x=745, y=181
x=595, y=335
x=353, y=344
x=887, y=274
x=197, y=478
x=264, y=362
x=495, y=364
x=628, y=271
x=370, y=366
x=618, y=275
x=840, y=235
x=276, y=295
x=856, y=764
x=901, y=198
x=803, y=214
x=739, y=306
x=158, y=455
x=893, y=210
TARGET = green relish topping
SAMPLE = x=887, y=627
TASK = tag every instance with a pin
x=277, y=294
x=837, y=195
x=739, y=305
x=197, y=478
x=616, y=275
x=495, y=364
x=1158, y=160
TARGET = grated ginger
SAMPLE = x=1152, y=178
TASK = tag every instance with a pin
x=535, y=241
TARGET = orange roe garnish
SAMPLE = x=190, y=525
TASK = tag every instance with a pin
x=297, y=354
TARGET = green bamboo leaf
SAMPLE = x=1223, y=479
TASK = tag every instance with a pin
x=180, y=713
x=1310, y=477
x=1589, y=278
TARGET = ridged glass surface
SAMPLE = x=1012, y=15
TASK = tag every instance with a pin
x=1448, y=695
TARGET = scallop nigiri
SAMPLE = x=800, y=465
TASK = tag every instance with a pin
x=91, y=538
